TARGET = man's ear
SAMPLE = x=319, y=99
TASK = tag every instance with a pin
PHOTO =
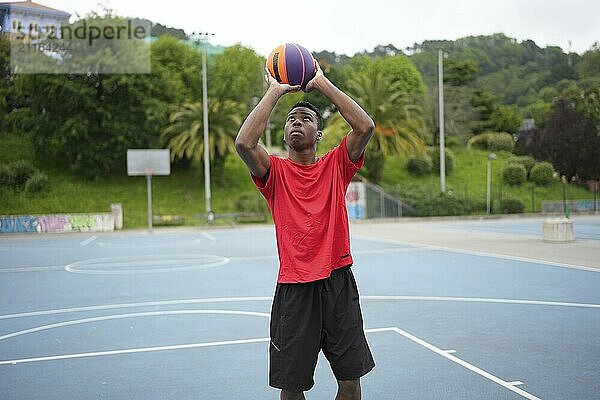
x=319, y=135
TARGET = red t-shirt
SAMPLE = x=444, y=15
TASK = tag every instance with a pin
x=308, y=204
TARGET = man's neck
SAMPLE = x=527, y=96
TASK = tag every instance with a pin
x=306, y=157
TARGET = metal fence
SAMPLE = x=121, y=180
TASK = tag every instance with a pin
x=366, y=200
x=558, y=207
x=427, y=201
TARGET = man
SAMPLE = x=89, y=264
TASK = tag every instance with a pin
x=316, y=304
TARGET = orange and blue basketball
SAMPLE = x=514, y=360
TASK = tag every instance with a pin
x=292, y=64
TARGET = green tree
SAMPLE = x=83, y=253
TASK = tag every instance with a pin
x=514, y=72
x=460, y=73
x=540, y=112
x=587, y=102
x=86, y=123
x=184, y=135
x=397, y=68
x=484, y=104
x=178, y=66
x=506, y=119
x=392, y=92
x=589, y=65
x=569, y=141
x=5, y=79
x=237, y=74
x=459, y=114
x=399, y=125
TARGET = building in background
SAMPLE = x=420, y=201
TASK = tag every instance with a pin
x=29, y=19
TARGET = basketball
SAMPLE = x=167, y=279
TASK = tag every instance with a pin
x=292, y=64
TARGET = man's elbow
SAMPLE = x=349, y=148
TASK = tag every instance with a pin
x=241, y=146
x=367, y=128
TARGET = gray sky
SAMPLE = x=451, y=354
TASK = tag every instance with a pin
x=349, y=27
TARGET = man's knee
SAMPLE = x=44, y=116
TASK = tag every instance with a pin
x=349, y=387
x=286, y=395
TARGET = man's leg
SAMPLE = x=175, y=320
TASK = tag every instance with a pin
x=295, y=331
x=285, y=395
x=348, y=390
x=344, y=342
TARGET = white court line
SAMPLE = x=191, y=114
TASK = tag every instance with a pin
x=131, y=315
x=482, y=300
x=175, y=269
x=265, y=298
x=150, y=349
x=467, y=365
x=480, y=253
x=130, y=351
x=88, y=240
x=209, y=236
x=79, y=267
x=133, y=305
x=34, y=269
x=508, y=385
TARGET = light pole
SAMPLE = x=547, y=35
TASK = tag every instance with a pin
x=488, y=196
x=202, y=37
x=441, y=120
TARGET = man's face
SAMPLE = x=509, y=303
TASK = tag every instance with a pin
x=300, y=130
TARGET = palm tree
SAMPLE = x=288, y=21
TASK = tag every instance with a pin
x=184, y=135
x=399, y=124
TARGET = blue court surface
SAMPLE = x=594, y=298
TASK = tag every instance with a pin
x=584, y=228
x=184, y=315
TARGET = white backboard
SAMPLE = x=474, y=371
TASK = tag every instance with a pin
x=148, y=162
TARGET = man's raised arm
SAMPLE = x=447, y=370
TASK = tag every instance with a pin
x=246, y=142
x=362, y=125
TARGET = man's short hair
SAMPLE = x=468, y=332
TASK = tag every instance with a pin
x=310, y=106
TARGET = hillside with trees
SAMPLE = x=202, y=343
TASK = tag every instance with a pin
x=80, y=126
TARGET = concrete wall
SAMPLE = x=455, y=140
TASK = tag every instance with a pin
x=557, y=207
x=101, y=222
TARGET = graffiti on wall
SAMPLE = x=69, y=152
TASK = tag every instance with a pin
x=356, y=200
x=57, y=223
x=574, y=206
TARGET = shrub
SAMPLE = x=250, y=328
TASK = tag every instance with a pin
x=512, y=206
x=21, y=171
x=514, y=174
x=479, y=141
x=448, y=204
x=434, y=154
x=453, y=141
x=36, y=183
x=501, y=141
x=6, y=176
x=416, y=196
x=542, y=173
x=251, y=202
x=427, y=201
x=419, y=165
x=477, y=206
x=492, y=141
x=526, y=161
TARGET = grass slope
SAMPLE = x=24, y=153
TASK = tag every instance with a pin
x=182, y=193
x=469, y=179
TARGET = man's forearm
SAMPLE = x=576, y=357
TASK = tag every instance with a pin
x=358, y=119
x=256, y=122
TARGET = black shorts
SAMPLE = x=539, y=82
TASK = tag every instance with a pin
x=309, y=317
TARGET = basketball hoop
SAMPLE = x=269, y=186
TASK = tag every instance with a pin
x=148, y=162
